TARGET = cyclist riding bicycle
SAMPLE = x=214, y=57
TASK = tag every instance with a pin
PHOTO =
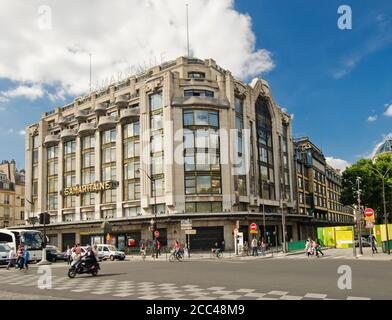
x=216, y=250
x=177, y=248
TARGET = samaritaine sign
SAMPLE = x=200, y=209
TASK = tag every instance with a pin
x=91, y=187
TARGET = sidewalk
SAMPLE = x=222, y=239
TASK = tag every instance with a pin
x=202, y=256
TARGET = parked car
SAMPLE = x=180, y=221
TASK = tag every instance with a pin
x=51, y=253
x=4, y=252
x=106, y=251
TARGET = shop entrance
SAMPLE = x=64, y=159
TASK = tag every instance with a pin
x=205, y=238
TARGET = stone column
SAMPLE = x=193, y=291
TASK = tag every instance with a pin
x=78, y=168
x=97, y=169
x=119, y=170
x=60, y=182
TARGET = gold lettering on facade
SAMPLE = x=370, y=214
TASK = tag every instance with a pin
x=91, y=187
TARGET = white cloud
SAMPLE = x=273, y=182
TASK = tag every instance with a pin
x=338, y=163
x=388, y=112
x=3, y=99
x=372, y=118
x=22, y=132
x=29, y=92
x=120, y=34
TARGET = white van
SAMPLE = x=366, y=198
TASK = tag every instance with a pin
x=107, y=251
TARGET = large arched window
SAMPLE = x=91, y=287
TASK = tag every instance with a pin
x=265, y=149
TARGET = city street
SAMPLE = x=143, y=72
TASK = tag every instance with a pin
x=290, y=277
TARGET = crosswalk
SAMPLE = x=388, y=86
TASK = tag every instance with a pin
x=325, y=257
x=94, y=287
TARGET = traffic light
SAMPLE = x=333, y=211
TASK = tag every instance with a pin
x=44, y=218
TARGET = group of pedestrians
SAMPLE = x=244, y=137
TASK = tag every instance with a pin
x=256, y=247
x=313, y=248
x=19, y=259
x=154, y=245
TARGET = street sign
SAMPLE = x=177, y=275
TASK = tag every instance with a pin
x=108, y=237
x=190, y=231
x=253, y=228
x=369, y=212
x=186, y=224
x=131, y=242
x=156, y=233
x=371, y=219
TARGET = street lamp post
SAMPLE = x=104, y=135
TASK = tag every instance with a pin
x=382, y=177
x=360, y=215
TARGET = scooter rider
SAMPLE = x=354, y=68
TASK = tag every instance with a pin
x=90, y=258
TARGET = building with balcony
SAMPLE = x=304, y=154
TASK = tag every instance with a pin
x=183, y=140
x=12, y=201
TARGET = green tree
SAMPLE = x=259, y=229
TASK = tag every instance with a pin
x=371, y=184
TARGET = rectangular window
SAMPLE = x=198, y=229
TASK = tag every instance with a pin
x=196, y=75
x=198, y=93
x=155, y=101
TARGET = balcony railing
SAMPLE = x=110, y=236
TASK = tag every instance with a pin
x=107, y=122
x=51, y=140
x=132, y=114
x=86, y=129
x=68, y=134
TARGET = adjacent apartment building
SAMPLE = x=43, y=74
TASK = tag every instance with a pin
x=12, y=190
x=319, y=187
x=183, y=140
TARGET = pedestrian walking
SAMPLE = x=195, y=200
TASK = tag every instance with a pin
x=20, y=261
x=158, y=248
x=26, y=258
x=314, y=248
x=308, y=248
x=373, y=243
x=11, y=258
x=318, y=248
x=68, y=254
x=254, y=247
x=263, y=247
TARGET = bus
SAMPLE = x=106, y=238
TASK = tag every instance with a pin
x=32, y=239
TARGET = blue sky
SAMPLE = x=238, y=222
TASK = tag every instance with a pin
x=332, y=80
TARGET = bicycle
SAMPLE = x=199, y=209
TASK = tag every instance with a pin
x=173, y=256
x=216, y=254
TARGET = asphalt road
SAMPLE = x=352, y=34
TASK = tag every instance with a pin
x=211, y=279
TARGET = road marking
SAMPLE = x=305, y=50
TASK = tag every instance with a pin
x=315, y=295
x=278, y=293
x=287, y=297
x=245, y=290
x=357, y=298
x=255, y=295
x=230, y=297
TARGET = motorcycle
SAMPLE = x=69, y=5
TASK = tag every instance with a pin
x=81, y=266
